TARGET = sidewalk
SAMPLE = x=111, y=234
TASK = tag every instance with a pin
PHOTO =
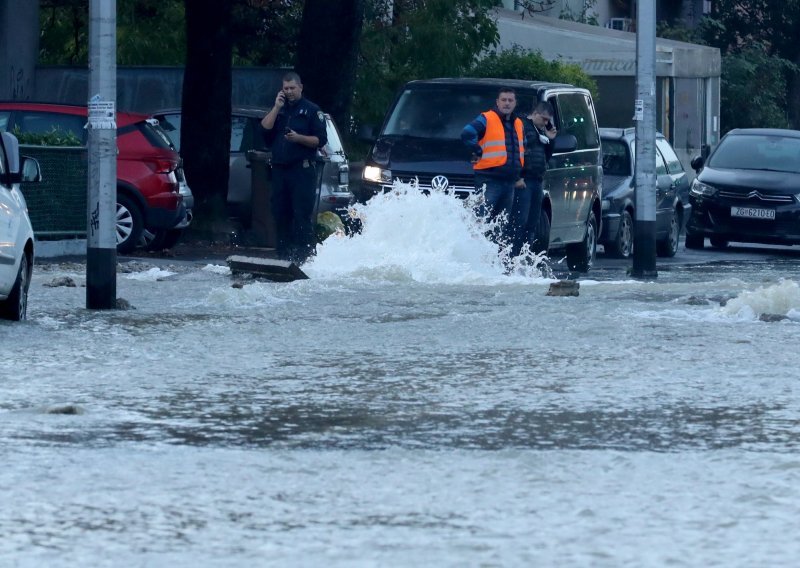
x=75, y=250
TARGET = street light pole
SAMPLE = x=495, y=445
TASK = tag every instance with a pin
x=101, y=244
x=644, y=249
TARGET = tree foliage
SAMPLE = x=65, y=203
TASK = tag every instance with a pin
x=754, y=90
x=736, y=26
x=517, y=63
x=417, y=39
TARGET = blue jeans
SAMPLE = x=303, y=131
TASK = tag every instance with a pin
x=526, y=211
x=498, y=198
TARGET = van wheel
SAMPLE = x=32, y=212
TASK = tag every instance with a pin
x=539, y=240
x=694, y=241
x=15, y=307
x=669, y=246
x=622, y=247
x=580, y=256
x=129, y=224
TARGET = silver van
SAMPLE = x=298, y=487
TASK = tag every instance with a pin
x=246, y=134
x=420, y=138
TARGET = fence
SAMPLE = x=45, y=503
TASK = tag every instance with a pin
x=57, y=204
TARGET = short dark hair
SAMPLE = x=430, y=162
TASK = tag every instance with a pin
x=543, y=107
x=292, y=76
x=506, y=90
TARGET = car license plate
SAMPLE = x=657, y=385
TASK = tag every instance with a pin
x=753, y=213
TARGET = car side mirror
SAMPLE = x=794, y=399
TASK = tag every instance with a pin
x=564, y=143
x=697, y=163
x=31, y=171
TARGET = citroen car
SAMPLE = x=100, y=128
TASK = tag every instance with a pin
x=748, y=190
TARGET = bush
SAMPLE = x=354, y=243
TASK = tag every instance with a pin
x=518, y=63
x=53, y=137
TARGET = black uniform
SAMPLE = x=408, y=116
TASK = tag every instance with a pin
x=294, y=178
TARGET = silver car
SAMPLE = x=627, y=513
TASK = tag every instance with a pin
x=16, y=233
x=246, y=135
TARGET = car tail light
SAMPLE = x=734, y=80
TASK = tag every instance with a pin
x=163, y=165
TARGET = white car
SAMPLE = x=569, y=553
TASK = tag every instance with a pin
x=16, y=232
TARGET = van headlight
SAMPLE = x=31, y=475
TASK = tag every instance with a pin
x=605, y=205
x=377, y=175
x=701, y=189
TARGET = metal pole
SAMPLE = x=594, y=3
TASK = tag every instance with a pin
x=101, y=243
x=644, y=250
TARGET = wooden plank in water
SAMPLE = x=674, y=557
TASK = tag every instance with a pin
x=269, y=268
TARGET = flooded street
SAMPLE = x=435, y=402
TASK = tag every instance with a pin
x=409, y=404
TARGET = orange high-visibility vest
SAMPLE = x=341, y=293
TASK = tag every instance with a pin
x=493, y=142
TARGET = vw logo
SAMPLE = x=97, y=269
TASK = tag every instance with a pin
x=439, y=183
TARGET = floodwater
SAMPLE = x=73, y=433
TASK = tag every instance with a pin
x=410, y=404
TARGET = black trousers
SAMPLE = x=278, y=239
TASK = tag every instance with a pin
x=294, y=193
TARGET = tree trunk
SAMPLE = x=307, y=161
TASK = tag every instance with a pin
x=206, y=112
x=327, y=54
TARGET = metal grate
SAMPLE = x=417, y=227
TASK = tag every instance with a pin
x=57, y=204
x=756, y=196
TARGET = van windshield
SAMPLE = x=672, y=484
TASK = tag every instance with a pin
x=441, y=113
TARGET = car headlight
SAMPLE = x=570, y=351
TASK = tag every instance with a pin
x=376, y=174
x=605, y=205
x=702, y=190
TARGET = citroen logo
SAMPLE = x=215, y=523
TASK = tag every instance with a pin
x=439, y=183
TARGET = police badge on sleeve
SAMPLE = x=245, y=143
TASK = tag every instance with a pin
x=320, y=116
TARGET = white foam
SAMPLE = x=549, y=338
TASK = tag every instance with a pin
x=217, y=269
x=782, y=298
x=410, y=236
x=151, y=275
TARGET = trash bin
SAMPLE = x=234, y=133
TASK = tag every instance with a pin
x=262, y=225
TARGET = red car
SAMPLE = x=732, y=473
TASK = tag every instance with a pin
x=149, y=176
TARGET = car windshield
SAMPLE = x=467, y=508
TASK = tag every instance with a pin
x=616, y=160
x=440, y=113
x=758, y=152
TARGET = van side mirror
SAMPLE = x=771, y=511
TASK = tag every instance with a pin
x=366, y=133
x=697, y=163
x=564, y=143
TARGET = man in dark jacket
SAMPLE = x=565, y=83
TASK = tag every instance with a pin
x=527, y=207
x=295, y=129
x=496, y=138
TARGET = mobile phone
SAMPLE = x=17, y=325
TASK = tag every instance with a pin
x=549, y=125
x=287, y=130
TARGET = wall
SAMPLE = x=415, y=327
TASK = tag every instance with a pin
x=19, y=48
x=146, y=89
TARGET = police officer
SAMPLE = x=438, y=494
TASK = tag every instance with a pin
x=295, y=129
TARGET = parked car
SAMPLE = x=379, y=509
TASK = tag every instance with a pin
x=246, y=135
x=619, y=201
x=420, y=139
x=748, y=190
x=149, y=172
x=16, y=232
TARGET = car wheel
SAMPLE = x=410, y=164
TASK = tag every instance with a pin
x=151, y=239
x=540, y=239
x=694, y=241
x=15, y=307
x=669, y=246
x=623, y=242
x=580, y=256
x=717, y=242
x=129, y=224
